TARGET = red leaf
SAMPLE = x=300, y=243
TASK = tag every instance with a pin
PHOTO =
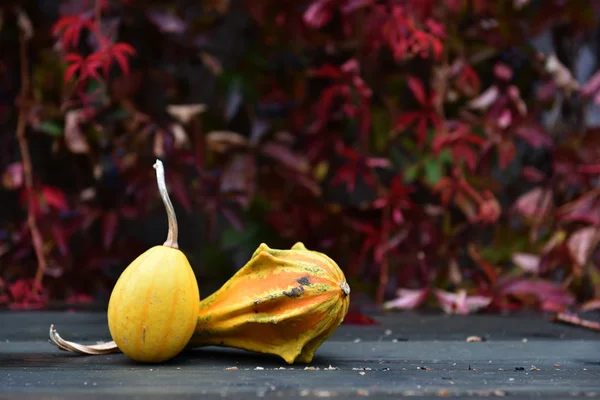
x=73, y=58
x=487, y=267
x=123, y=62
x=110, y=222
x=534, y=134
x=55, y=198
x=535, y=204
x=589, y=169
x=71, y=70
x=405, y=119
x=353, y=318
x=468, y=78
x=25, y=297
x=465, y=153
x=417, y=89
x=584, y=209
x=120, y=51
x=489, y=208
x=533, y=174
x=503, y=71
x=319, y=13
x=582, y=243
x=506, y=153
x=328, y=71
x=592, y=85
x=70, y=27
x=421, y=131
x=407, y=299
x=551, y=296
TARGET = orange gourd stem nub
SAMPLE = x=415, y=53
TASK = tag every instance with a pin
x=164, y=194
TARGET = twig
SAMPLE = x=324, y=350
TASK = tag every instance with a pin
x=27, y=168
x=577, y=321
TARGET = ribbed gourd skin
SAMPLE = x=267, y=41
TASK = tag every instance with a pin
x=282, y=302
x=153, y=309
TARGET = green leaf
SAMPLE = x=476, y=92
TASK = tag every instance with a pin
x=412, y=173
x=382, y=127
x=433, y=171
x=51, y=128
x=231, y=238
x=446, y=156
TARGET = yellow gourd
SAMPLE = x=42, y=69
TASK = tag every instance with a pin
x=153, y=308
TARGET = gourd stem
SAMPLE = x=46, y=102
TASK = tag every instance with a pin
x=164, y=194
x=345, y=288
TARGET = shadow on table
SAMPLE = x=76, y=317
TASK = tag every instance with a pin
x=230, y=357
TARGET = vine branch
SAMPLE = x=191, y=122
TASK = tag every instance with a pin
x=24, y=105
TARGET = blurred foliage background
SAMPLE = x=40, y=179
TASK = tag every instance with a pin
x=444, y=153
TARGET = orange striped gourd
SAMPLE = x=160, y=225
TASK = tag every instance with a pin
x=282, y=302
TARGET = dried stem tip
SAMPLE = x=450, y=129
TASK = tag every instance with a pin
x=345, y=288
x=164, y=194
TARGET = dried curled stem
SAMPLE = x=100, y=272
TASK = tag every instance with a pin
x=571, y=319
x=171, y=217
x=24, y=105
x=98, y=349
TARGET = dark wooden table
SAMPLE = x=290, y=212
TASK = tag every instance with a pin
x=407, y=355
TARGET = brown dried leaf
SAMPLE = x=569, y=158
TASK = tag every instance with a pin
x=485, y=99
x=185, y=113
x=562, y=77
x=74, y=137
x=285, y=156
x=180, y=135
x=211, y=62
x=159, y=144
x=221, y=141
x=527, y=262
x=12, y=178
x=25, y=24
